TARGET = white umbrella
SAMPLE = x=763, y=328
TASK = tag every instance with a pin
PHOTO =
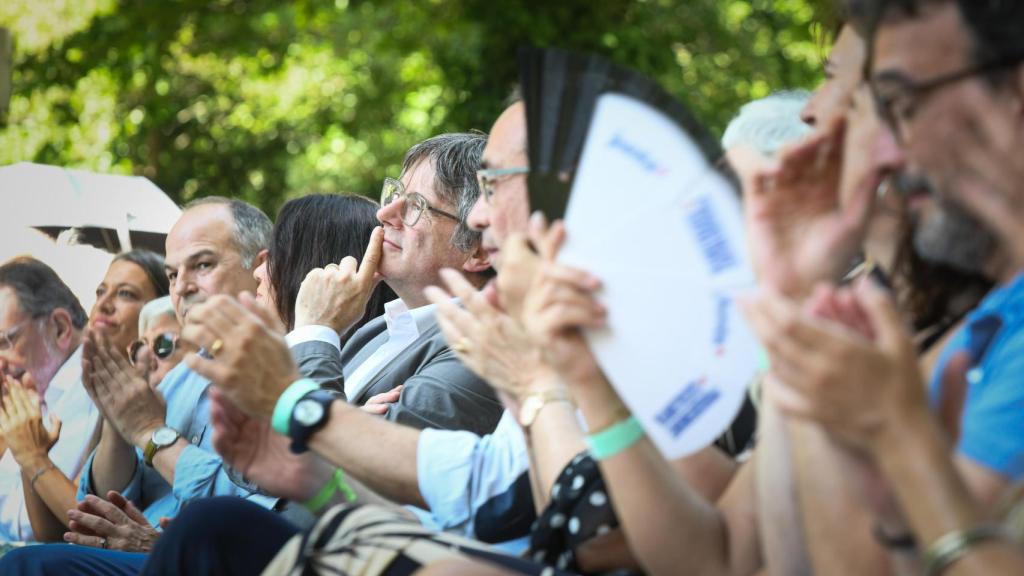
x=51, y=197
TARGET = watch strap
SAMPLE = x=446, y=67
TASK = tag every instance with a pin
x=152, y=447
x=286, y=403
x=300, y=433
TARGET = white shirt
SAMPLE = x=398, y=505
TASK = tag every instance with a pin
x=66, y=397
x=403, y=328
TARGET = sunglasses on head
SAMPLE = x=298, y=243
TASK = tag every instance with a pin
x=163, y=346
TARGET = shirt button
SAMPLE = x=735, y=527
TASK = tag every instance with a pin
x=195, y=440
x=975, y=375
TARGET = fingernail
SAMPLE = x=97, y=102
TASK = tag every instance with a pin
x=67, y=536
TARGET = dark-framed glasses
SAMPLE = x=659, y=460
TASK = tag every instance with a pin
x=899, y=98
x=162, y=346
x=414, y=204
x=487, y=177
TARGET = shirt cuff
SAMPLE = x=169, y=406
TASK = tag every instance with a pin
x=312, y=333
x=444, y=470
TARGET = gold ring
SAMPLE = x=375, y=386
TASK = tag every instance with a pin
x=103, y=543
x=332, y=266
x=216, y=346
x=462, y=346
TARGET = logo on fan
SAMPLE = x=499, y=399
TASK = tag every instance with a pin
x=710, y=237
x=638, y=155
x=686, y=407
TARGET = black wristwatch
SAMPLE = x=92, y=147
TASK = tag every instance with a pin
x=310, y=414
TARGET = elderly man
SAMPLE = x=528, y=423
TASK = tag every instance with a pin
x=423, y=216
x=162, y=455
x=158, y=349
x=41, y=325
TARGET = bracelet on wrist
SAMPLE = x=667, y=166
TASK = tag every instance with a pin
x=615, y=439
x=951, y=547
x=324, y=496
x=39, y=473
x=286, y=403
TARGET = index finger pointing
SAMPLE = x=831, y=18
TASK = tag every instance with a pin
x=371, y=259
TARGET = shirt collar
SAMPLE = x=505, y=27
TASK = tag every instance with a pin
x=404, y=322
x=69, y=374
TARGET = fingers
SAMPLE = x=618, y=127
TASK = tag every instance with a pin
x=265, y=315
x=953, y=393
x=81, y=538
x=470, y=297
x=90, y=523
x=882, y=315
x=371, y=258
x=378, y=409
x=133, y=513
x=55, y=427
x=165, y=521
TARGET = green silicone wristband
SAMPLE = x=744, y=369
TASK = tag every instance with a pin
x=337, y=482
x=615, y=438
x=286, y=403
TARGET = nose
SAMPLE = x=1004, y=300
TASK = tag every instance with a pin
x=105, y=303
x=391, y=214
x=479, y=217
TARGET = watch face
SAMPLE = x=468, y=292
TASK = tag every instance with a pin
x=164, y=436
x=308, y=412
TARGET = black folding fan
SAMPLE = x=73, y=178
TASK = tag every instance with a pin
x=560, y=89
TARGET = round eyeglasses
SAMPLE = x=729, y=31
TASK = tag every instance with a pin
x=413, y=204
x=163, y=346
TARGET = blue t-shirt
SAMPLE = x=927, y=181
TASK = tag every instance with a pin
x=992, y=423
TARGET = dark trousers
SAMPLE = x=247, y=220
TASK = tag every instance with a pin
x=69, y=560
x=224, y=536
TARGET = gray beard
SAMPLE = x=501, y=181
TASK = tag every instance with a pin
x=955, y=238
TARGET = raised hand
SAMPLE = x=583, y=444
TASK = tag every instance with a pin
x=114, y=524
x=250, y=446
x=119, y=391
x=487, y=340
x=253, y=365
x=337, y=294
x=21, y=423
x=798, y=230
x=858, y=389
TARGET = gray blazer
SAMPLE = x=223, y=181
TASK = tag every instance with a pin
x=440, y=392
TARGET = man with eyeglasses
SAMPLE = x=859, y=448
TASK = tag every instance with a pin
x=158, y=350
x=423, y=217
x=41, y=325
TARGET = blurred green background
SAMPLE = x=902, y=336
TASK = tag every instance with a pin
x=266, y=100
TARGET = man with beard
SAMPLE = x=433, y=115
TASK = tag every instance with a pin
x=947, y=80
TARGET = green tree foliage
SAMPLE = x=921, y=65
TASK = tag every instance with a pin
x=266, y=100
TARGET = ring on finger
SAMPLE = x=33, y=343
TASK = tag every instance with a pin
x=462, y=346
x=103, y=543
x=216, y=346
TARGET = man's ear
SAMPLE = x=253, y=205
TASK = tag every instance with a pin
x=62, y=329
x=478, y=261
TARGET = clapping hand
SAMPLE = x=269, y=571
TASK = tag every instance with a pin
x=119, y=391
x=252, y=363
x=21, y=423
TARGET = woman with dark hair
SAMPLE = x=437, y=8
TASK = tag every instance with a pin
x=133, y=278
x=312, y=232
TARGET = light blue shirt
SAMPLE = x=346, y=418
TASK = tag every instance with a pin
x=199, y=472
x=992, y=423
x=477, y=486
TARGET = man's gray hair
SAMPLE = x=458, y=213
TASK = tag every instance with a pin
x=252, y=227
x=455, y=159
x=153, y=311
x=769, y=124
